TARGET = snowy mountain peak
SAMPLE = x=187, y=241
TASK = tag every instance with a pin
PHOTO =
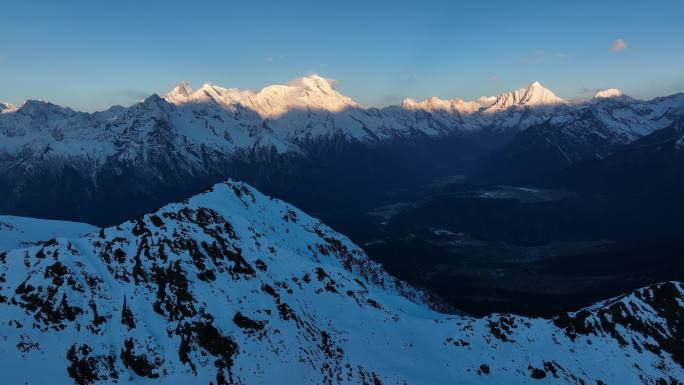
x=408, y=104
x=430, y=104
x=307, y=93
x=180, y=93
x=43, y=110
x=153, y=99
x=7, y=107
x=313, y=83
x=435, y=104
x=608, y=93
x=312, y=92
x=534, y=95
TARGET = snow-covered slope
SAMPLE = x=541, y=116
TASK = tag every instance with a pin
x=307, y=93
x=454, y=106
x=654, y=164
x=228, y=120
x=516, y=110
x=18, y=232
x=86, y=167
x=534, y=95
x=231, y=286
x=7, y=107
x=589, y=131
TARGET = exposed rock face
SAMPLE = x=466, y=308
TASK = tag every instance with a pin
x=231, y=286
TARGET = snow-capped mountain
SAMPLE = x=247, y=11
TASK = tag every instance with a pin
x=534, y=95
x=231, y=286
x=283, y=115
x=7, y=107
x=514, y=110
x=307, y=93
x=88, y=166
x=608, y=93
x=588, y=131
x=454, y=106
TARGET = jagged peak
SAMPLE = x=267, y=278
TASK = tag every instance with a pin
x=534, y=95
x=434, y=104
x=153, y=102
x=431, y=104
x=152, y=98
x=179, y=93
x=312, y=92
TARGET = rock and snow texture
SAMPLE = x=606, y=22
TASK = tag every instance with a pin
x=228, y=120
x=534, y=95
x=231, y=286
x=7, y=107
x=307, y=93
x=86, y=167
x=18, y=232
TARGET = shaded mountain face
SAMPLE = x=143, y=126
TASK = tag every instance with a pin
x=231, y=286
x=653, y=164
x=591, y=132
x=303, y=141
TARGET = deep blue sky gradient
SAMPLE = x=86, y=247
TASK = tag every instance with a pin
x=91, y=54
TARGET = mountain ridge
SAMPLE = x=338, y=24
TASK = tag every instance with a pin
x=231, y=286
x=59, y=162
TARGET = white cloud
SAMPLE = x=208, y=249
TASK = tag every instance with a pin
x=618, y=45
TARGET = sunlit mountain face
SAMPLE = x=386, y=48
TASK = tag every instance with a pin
x=342, y=193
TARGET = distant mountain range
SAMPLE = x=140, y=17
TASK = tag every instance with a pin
x=228, y=285
x=302, y=141
x=233, y=287
x=590, y=131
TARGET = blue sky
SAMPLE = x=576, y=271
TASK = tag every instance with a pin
x=90, y=54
